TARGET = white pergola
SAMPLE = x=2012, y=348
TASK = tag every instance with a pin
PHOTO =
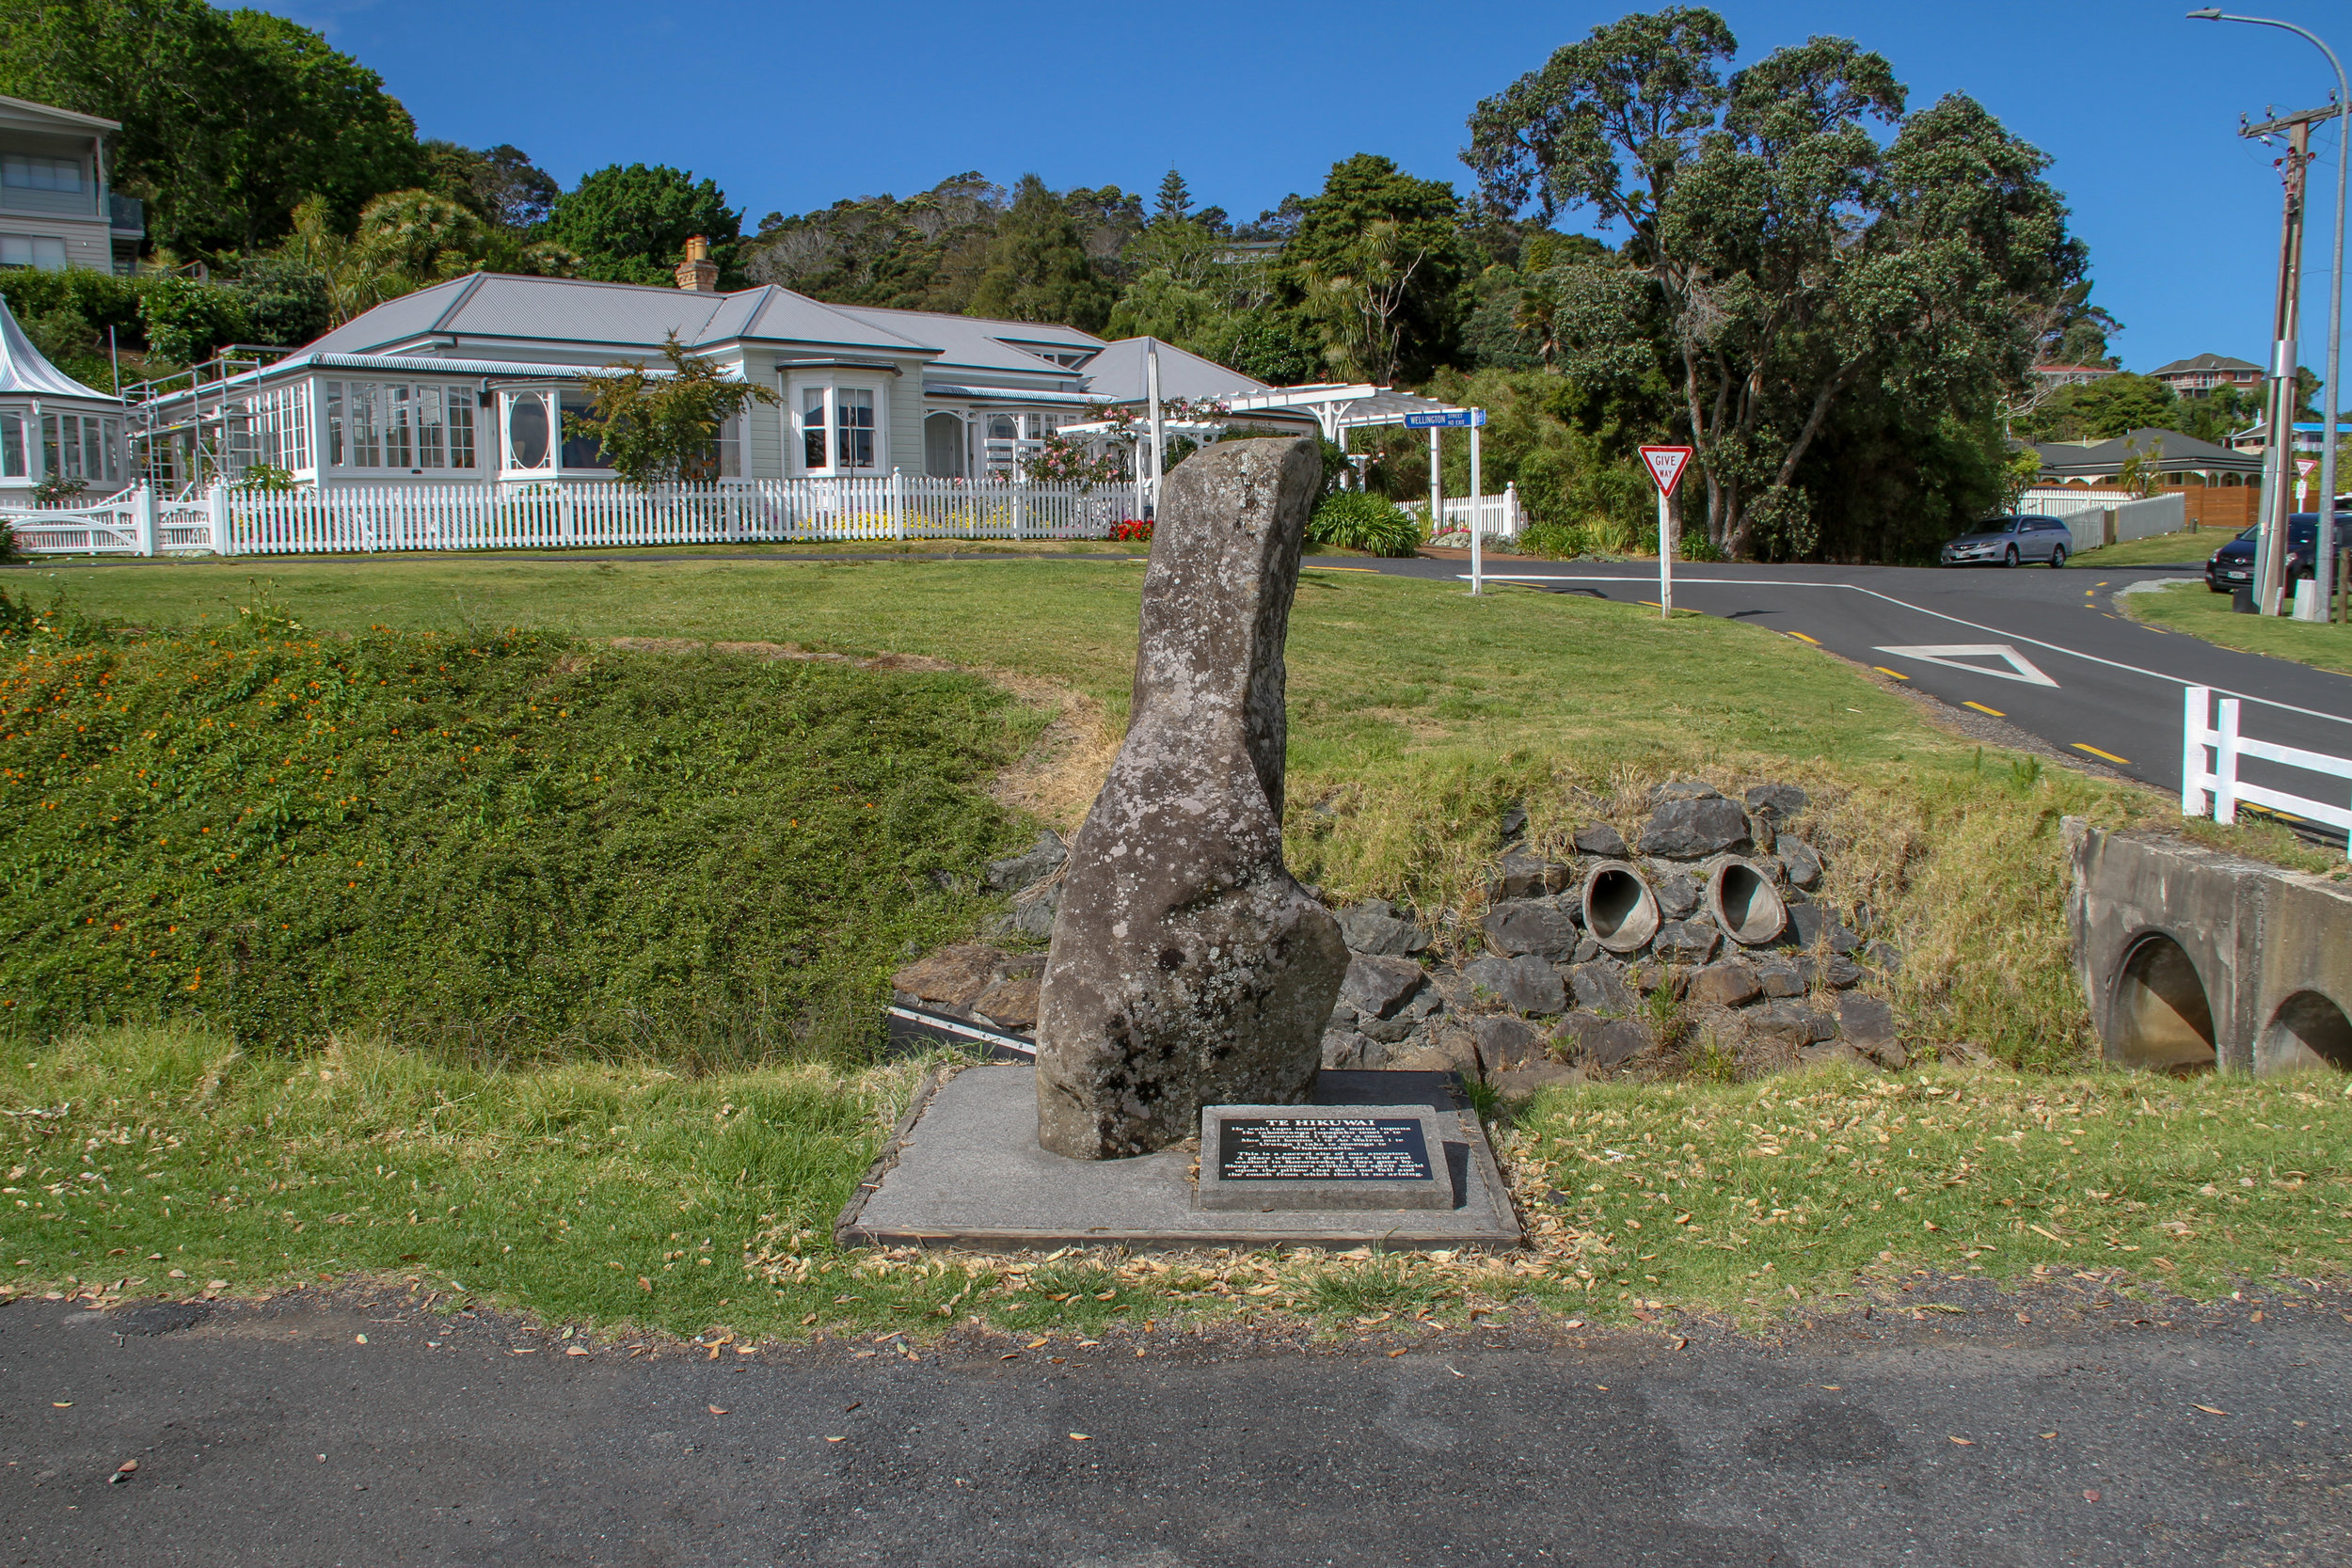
x=1337, y=407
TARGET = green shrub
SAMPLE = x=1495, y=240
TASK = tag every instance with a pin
x=512, y=845
x=1559, y=541
x=188, y=321
x=1358, y=520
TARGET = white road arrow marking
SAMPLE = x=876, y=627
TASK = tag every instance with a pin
x=1949, y=654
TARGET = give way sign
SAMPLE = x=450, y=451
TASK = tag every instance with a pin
x=1665, y=465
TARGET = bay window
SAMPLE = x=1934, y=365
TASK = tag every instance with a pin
x=13, y=445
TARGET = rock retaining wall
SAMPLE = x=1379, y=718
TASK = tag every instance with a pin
x=1718, y=941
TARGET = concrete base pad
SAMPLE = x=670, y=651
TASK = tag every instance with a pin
x=965, y=1170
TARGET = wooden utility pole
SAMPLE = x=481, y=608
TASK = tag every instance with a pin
x=2279, y=417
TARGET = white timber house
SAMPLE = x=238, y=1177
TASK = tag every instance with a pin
x=57, y=208
x=467, y=383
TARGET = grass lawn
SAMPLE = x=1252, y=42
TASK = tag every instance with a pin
x=625, y=1196
x=1419, y=717
x=2194, y=609
x=2188, y=548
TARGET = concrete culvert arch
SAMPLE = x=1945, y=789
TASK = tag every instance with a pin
x=1620, y=911
x=2309, y=1033
x=1745, y=903
x=2162, y=1018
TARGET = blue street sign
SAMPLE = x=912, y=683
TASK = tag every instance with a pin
x=1452, y=419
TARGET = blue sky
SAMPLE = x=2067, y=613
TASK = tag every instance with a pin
x=791, y=105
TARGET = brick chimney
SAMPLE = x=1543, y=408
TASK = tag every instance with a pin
x=698, y=274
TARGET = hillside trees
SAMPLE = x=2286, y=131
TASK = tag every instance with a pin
x=631, y=225
x=1373, y=265
x=1792, y=255
x=1038, y=267
x=230, y=118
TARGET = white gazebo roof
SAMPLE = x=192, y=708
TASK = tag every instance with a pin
x=1337, y=407
x=24, y=372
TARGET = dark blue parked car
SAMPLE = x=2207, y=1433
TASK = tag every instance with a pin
x=2233, y=565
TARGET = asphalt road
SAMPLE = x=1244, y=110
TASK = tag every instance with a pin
x=273, y=1436
x=2073, y=671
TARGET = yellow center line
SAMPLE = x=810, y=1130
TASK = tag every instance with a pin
x=1803, y=638
x=1884, y=671
x=1981, y=708
x=1304, y=567
x=2096, y=753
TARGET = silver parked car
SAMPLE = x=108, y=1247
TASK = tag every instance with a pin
x=2009, y=541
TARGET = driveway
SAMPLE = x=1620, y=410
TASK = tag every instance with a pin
x=2103, y=1432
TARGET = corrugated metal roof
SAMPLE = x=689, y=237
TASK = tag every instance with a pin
x=979, y=342
x=601, y=315
x=25, y=371
x=404, y=365
x=773, y=314
x=1118, y=374
x=1003, y=394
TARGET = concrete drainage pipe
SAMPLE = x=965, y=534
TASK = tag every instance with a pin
x=1744, y=904
x=1620, y=911
x=2162, y=1018
x=2310, y=1034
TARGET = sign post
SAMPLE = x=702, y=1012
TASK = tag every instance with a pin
x=1454, y=419
x=2303, y=466
x=1665, y=465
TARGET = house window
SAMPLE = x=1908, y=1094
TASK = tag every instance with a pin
x=37, y=251
x=853, y=427
x=81, y=446
x=843, y=429
x=731, y=448
x=582, y=451
x=526, y=444
x=12, y=446
x=21, y=172
x=387, y=425
x=276, y=428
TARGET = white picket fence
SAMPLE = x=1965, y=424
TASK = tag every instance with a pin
x=2217, y=791
x=2084, y=513
x=1497, y=515
x=573, y=514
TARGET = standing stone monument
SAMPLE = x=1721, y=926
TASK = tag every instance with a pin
x=1188, y=968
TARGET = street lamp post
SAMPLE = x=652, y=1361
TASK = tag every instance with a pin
x=2324, y=534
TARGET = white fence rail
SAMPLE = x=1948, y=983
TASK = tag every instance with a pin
x=1496, y=514
x=2203, y=730
x=2099, y=517
x=578, y=513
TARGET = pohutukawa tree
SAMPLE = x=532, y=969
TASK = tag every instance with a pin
x=1799, y=231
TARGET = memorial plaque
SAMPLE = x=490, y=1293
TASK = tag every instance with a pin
x=1337, y=1157
x=1322, y=1148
